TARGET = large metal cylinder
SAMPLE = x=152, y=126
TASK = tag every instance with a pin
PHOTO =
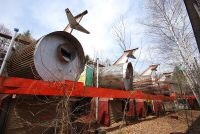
x=118, y=76
x=56, y=56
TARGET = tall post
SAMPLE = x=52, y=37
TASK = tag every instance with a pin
x=97, y=85
x=8, y=51
x=193, y=9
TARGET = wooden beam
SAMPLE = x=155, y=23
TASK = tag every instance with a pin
x=17, y=39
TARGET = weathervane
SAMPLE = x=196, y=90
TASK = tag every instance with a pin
x=74, y=21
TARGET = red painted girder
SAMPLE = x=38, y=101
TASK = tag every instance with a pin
x=11, y=85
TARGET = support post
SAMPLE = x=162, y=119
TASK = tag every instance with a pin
x=97, y=85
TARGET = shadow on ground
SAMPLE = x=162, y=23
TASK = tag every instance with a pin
x=132, y=122
x=194, y=127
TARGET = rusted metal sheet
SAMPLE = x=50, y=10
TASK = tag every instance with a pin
x=158, y=107
x=131, y=109
x=116, y=111
x=140, y=108
x=118, y=76
x=55, y=57
x=103, y=111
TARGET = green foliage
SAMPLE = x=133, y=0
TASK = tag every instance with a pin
x=178, y=73
x=181, y=80
x=26, y=36
x=27, y=33
x=87, y=58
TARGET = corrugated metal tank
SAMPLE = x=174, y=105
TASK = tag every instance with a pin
x=56, y=56
x=118, y=76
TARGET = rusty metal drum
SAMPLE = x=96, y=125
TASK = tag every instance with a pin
x=56, y=56
x=119, y=76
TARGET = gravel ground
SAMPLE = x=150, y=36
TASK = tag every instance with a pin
x=170, y=123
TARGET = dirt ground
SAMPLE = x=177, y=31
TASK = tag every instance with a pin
x=176, y=123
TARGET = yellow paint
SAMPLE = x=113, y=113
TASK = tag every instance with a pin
x=83, y=76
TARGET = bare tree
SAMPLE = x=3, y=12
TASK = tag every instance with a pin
x=122, y=35
x=4, y=30
x=26, y=36
x=4, y=42
x=169, y=27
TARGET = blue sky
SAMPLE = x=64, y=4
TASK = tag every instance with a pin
x=44, y=16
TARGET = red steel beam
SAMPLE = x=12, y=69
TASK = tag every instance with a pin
x=11, y=85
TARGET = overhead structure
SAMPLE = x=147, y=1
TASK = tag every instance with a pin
x=126, y=55
x=118, y=76
x=16, y=39
x=55, y=57
x=168, y=81
x=146, y=80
